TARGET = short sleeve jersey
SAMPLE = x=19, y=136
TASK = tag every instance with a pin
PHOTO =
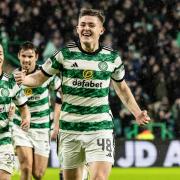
x=10, y=93
x=85, y=86
x=39, y=103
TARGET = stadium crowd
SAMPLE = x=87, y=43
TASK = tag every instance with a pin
x=145, y=32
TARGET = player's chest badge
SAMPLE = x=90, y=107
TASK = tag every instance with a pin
x=5, y=92
x=103, y=66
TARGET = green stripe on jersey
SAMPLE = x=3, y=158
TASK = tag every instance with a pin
x=17, y=122
x=84, y=109
x=5, y=100
x=5, y=129
x=82, y=56
x=33, y=125
x=4, y=84
x=5, y=140
x=38, y=103
x=40, y=125
x=86, y=126
x=36, y=114
x=39, y=90
x=40, y=114
x=85, y=92
x=3, y=116
x=97, y=75
x=56, y=64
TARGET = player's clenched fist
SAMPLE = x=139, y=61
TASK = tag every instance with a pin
x=19, y=76
x=143, y=118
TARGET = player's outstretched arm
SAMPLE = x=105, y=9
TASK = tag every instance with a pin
x=31, y=80
x=25, y=116
x=126, y=96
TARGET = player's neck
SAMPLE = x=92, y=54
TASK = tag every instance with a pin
x=90, y=47
x=31, y=70
x=1, y=71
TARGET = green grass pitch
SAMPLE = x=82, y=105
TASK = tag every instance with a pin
x=126, y=174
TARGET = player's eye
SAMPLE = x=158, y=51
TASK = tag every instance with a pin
x=82, y=25
x=91, y=25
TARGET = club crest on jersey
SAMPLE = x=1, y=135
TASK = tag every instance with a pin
x=5, y=92
x=103, y=66
x=88, y=74
x=28, y=91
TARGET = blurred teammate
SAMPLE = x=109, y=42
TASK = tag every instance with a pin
x=33, y=147
x=10, y=93
x=86, y=120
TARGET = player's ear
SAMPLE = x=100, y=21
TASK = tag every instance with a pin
x=102, y=31
x=37, y=56
x=77, y=29
x=18, y=55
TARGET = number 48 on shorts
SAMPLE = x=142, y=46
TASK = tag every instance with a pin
x=106, y=145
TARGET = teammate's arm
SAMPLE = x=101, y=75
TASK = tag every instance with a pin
x=25, y=116
x=126, y=96
x=31, y=80
x=57, y=110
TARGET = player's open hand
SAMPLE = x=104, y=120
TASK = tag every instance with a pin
x=19, y=76
x=25, y=124
x=143, y=118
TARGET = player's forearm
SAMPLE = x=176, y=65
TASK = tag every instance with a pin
x=35, y=79
x=31, y=81
x=57, y=110
x=25, y=113
x=126, y=96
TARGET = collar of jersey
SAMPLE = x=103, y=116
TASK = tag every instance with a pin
x=90, y=53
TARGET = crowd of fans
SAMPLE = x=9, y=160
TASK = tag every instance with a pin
x=145, y=32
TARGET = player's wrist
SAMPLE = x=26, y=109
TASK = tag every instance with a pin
x=137, y=114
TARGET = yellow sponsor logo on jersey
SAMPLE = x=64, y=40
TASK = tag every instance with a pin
x=28, y=91
x=88, y=74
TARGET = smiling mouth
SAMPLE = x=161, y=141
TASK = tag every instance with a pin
x=86, y=34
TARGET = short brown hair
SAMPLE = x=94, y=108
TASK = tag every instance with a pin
x=92, y=12
x=28, y=45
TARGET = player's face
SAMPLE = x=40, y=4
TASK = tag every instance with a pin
x=28, y=59
x=1, y=56
x=89, y=29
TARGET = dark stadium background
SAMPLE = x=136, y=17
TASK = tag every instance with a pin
x=146, y=34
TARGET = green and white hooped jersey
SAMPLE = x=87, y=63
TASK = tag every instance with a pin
x=39, y=103
x=85, y=86
x=10, y=93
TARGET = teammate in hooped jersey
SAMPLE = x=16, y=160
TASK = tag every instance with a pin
x=33, y=146
x=10, y=94
x=86, y=120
